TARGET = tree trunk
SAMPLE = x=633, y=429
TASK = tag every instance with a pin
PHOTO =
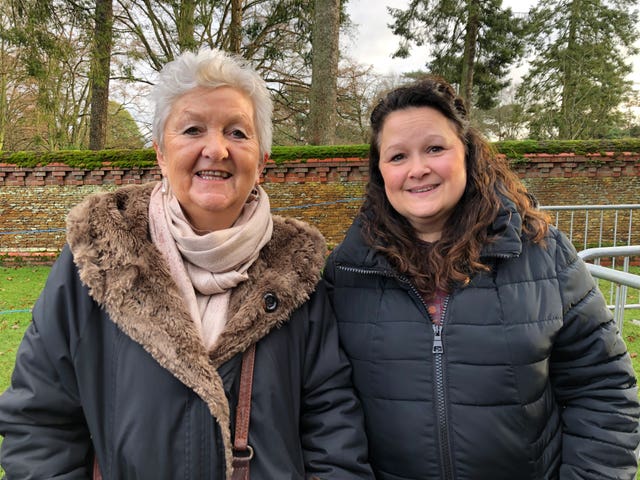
x=185, y=21
x=3, y=97
x=235, y=29
x=469, y=55
x=100, y=74
x=565, y=123
x=323, y=97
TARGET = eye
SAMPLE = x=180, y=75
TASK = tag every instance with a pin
x=397, y=157
x=435, y=149
x=237, y=133
x=191, y=130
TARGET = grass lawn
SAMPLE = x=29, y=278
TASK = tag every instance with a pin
x=631, y=328
x=20, y=287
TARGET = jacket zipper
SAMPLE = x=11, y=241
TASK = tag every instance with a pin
x=368, y=271
x=439, y=381
x=438, y=352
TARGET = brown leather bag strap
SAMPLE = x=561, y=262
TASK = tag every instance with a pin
x=242, y=451
x=97, y=475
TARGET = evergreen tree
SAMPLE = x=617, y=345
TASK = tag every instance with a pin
x=578, y=74
x=473, y=43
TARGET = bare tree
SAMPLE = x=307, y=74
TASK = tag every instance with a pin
x=52, y=44
x=273, y=34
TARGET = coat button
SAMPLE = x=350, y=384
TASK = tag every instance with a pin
x=270, y=302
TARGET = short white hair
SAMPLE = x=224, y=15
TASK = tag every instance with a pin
x=212, y=68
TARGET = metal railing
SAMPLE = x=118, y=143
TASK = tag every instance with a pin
x=609, y=239
x=589, y=226
x=620, y=279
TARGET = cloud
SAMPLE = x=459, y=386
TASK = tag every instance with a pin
x=373, y=43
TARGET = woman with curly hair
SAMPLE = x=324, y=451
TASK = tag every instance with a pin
x=481, y=346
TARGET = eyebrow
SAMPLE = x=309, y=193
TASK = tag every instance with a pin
x=240, y=118
x=234, y=118
x=435, y=138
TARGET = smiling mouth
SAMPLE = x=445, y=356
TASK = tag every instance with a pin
x=213, y=174
x=424, y=189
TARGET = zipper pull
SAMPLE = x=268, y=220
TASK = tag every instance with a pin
x=438, y=348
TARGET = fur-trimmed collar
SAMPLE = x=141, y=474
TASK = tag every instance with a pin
x=108, y=234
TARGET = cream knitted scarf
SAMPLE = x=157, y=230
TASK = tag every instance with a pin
x=206, y=267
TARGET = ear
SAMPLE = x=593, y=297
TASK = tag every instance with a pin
x=262, y=164
x=160, y=158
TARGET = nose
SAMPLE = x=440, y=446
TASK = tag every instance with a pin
x=419, y=166
x=215, y=146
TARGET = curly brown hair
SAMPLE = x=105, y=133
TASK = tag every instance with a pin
x=452, y=259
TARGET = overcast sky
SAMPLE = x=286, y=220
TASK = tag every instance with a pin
x=373, y=43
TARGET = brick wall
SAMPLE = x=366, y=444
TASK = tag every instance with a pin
x=326, y=193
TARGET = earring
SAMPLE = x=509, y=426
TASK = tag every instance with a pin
x=253, y=195
x=165, y=185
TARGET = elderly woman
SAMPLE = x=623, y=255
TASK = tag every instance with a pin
x=135, y=352
x=481, y=346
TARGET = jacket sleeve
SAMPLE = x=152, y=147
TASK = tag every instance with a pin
x=332, y=425
x=41, y=419
x=593, y=379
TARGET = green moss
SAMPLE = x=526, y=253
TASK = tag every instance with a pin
x=285, y=154
x=84, y=159
x=515, y=151
x=145, y=158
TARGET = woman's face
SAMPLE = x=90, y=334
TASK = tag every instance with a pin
x=211, y=155
x=422, y=162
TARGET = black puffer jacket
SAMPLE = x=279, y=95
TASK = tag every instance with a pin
x=113, y=359
x=532, y=380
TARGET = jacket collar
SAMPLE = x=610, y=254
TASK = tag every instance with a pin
x=127, y=276
x=507, y=229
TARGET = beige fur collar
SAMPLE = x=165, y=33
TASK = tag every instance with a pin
x=108, y=234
